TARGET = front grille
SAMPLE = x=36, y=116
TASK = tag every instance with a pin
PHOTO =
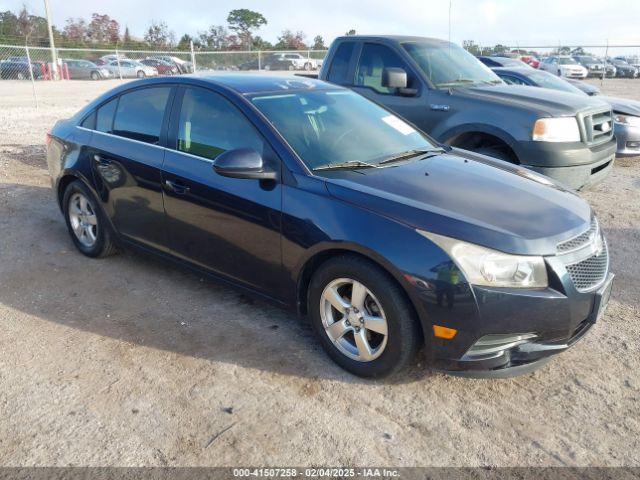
x=581, y=240
x=591, y=272
x=598, y=126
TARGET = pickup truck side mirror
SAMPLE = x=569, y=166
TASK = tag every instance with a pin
x=393, y=77
x=243, y=163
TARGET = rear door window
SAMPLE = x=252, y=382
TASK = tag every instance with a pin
x=140, y=113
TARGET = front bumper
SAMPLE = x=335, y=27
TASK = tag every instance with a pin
x=573, y=164
x=628, y=140
x=556, y=334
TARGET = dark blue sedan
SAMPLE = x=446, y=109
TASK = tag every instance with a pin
x=310, y=195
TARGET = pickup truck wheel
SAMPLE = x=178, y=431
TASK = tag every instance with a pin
x=362, y=317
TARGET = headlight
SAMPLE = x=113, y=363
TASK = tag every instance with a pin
x=629, y=120
x=483, y=266
x=561, y=129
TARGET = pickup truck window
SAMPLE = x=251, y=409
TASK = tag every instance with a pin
x=449, y=65
x=373, y=60
x=340, y=64
x=333, y=127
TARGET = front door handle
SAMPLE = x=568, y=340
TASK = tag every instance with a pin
x=177, y=187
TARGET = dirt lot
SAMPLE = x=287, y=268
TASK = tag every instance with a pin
x=128, y=361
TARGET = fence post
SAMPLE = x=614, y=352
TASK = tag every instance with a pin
x=118, y=60
x=193, y=56
x=33, y=82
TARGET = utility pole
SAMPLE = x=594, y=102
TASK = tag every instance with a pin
x=54, y=56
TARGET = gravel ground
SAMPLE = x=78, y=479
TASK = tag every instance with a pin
x=127, y=361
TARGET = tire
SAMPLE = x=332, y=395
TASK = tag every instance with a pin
x=95, y=76
x=141, y=74
x=292, y=68
x=21, y=76
x=97, y=244
x=307, y=66
x=267, y=67
x=382, y=300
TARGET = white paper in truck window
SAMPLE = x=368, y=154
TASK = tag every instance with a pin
x=400, y=125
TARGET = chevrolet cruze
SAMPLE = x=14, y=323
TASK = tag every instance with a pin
x=321, y=201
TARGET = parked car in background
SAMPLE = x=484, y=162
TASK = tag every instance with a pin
x=633, y=60
x=595, y=66
x=130, y=69
x=106, y=59
x=301, y=62
x=162, y=66
x=334, y=207
x=446, y=91
x=18, y=68
x=530, y=60
x=183, y=66
x=274, y=61
x=84, y=69
x=623, y=69
x=563, y=66
x=626, y=113
x=501, y=62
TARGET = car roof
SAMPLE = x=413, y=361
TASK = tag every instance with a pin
x=394, y=38
x=255, y=83
x=515, y=70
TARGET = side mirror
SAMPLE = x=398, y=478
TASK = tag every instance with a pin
x=242, y=163
x=393, y=77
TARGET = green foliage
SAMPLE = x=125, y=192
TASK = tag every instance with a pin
x=243, y=21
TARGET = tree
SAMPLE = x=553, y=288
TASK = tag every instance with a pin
x=75, y=29
x=159, y=35
x=351, y=32
x=216, y=37
x=25, y=27
x=291, y=41
x=103, y=29
x=243, y=21
x=471, y=47
x=126, y=39
x=8, y=24
x=318, y=43
x=260, y=44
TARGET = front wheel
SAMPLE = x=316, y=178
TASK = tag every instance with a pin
x=95, y=76
x=87, y=226
x=362, y=317
x=141, y=74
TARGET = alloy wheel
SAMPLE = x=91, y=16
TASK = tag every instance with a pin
x=83, y=219
x=353, y=319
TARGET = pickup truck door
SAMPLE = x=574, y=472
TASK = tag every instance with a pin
x=425, y=108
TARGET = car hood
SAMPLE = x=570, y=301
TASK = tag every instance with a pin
x=469, y=197
x=623, y=105
x=551, y=102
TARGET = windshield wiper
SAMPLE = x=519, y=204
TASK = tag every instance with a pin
x=351, y=164
x=408, y=154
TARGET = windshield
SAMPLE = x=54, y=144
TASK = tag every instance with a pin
x=567, y=61
x=331, y=127
x=447, y=64
x=589, y=60
x=547, y=80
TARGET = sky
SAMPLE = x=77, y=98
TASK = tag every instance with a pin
x=510, y=22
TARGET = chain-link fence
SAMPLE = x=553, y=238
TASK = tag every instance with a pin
x=37, y=64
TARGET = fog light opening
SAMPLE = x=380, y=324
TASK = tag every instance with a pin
x=495, y=345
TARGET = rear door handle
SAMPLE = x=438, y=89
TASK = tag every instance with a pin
x=176, y=187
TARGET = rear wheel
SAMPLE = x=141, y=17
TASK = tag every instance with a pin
x=141, y=74
x=87, y=226
x=21, y=76
x=95, y=76
x=362, y=317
